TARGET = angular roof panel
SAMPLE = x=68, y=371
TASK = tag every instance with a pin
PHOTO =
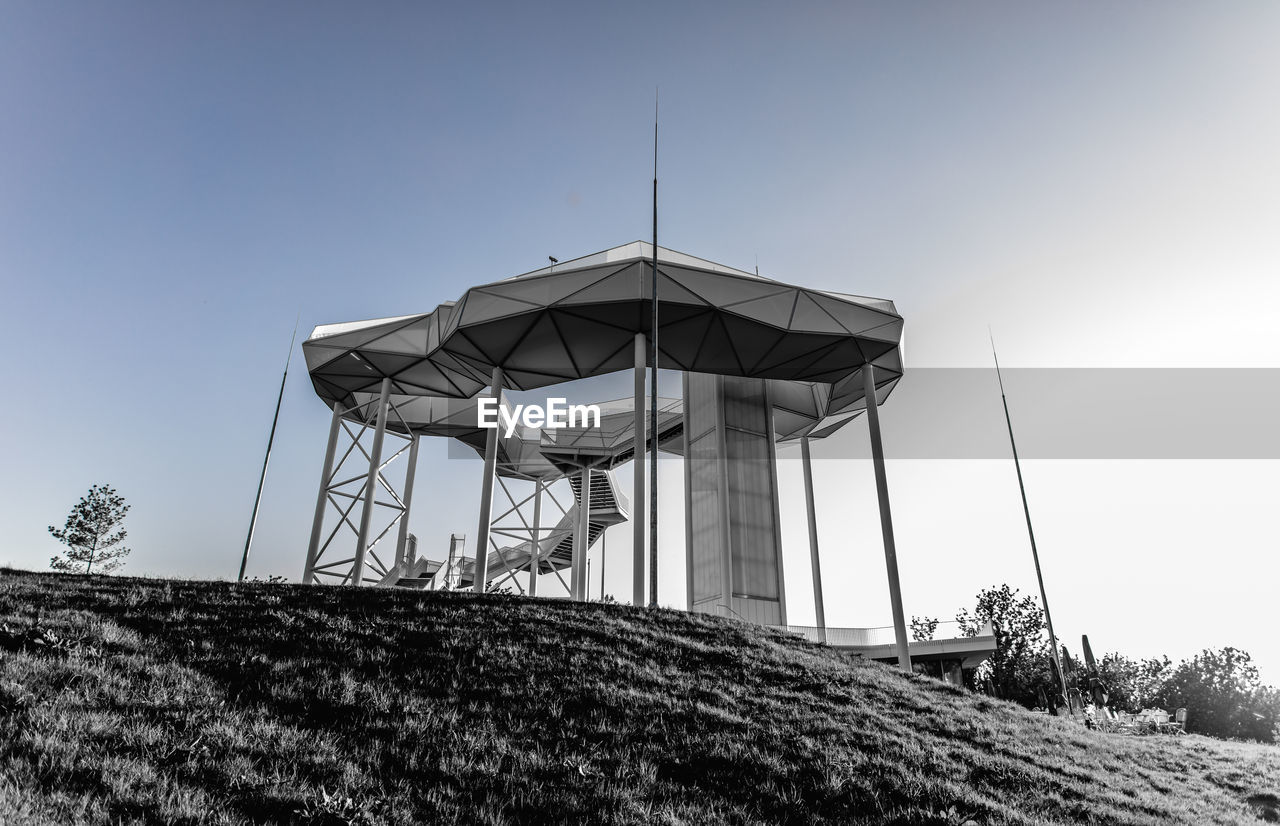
x=712, y=318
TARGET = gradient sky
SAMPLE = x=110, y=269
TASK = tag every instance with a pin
x=1097, y=182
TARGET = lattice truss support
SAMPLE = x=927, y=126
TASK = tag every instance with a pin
x=529, y=534
x=361, y=519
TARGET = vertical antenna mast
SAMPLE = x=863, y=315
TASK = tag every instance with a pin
x=653, y=383
x=1035, y=555
x=257, y=500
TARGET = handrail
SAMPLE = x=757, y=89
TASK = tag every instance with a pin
x=880, y=635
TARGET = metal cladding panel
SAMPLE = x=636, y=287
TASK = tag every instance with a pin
x=752, y=534
x=713, y=319
x=813, y=318
x=706, y=511
x=553, y=287
x=744, y=405
x=703, y=505
x=762, y=611
x=729, y=450
x=700, y=406
x=775, y=309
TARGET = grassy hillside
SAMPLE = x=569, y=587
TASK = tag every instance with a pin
x=130, y=700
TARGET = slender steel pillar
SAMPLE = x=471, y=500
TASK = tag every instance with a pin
x=772, y=448
x=814, y=563
x=637, y=496
x=1031, y=534
x=653, y=386
x=726, y=513
x=262, y=480
x=578, y=573
x=371, y=484
x=408, y=499
x=688, y=498
x=322, y=499
x=886, y=518
x=586, y=534
x=535, y=550
x=486, y=491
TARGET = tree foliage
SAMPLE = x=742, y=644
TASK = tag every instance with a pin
x=1133, y=685
x=1019, y=668
x=93, y=533
x=1220, y=688
x=1223, y=689
x=923, y=628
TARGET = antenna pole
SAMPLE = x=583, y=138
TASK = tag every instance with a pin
x=257, y=499
x=1026, y=510
x=653, y=384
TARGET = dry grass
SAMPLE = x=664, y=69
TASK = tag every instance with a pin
x=151, y=701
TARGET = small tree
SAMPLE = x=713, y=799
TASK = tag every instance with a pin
x=1020, y=667
x=923, y=628
x=93, y=533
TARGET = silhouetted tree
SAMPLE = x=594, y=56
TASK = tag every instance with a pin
x=1133, y=685
x=1223, y=696
x=93, y=534
x=1219, y=688
x=1019, y=668
x=923, y=628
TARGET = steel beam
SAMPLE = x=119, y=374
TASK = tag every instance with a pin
x=322, y=498
x=535, y=550
x=637, y=496
x=777, y=508
x=688, y=499
x=371, y=484
x=486, y=490
x=407, y=499
x=578, y=568
x=886, y=518
x=814, y=563
x=726, y=514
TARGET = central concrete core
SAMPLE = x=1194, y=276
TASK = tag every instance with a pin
x=732, y=528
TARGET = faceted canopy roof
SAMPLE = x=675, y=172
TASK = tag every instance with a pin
x=579, y=319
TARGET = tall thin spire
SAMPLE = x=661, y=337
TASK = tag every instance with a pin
x=1026, y=510
x=257, y=499
x=653, y=383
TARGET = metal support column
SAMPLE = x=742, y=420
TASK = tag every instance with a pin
x=326, y=476
x=816, y=566
x=1031, y=534
x=581, y=539
x=772, y=448
x=408, y=499
x=726, y=513
x=486, y=491
x=535, y=549
x=886, y=518
x=371, y=484
x=637, y=496
x=688, y=498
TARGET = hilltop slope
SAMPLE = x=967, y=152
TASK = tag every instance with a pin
x=133, y=700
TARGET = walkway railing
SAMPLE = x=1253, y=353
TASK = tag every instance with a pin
x=883, y=635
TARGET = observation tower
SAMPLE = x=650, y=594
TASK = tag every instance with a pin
x=763, y=363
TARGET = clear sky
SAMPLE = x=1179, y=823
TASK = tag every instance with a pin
x=1098, y=182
